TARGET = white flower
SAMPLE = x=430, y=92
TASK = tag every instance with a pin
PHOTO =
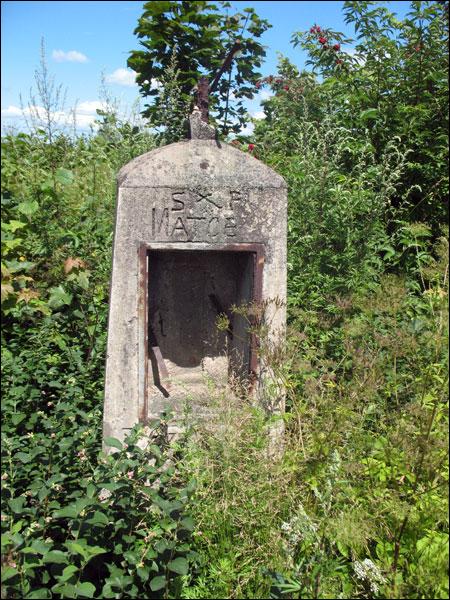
x=369, y=573
x=104, y=495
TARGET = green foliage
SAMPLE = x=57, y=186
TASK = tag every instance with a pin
x=201, y=35
x=394, y=83
x=75, y=523
x=351, y=500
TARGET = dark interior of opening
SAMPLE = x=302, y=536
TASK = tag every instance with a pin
x=188, y=292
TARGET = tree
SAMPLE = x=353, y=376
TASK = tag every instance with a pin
x=201, y=35
x=393, y=84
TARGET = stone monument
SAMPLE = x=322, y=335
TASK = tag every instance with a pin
x=200, y=231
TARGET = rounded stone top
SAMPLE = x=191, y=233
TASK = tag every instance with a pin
x=198, y=162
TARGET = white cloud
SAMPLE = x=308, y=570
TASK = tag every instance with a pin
x=85, y=113
x=248, y=129
x=265, y=95
x=90, y=107
x=71, y=56
x=259, y=114
x=359, y=58
x=121, y=76
x=11, y=111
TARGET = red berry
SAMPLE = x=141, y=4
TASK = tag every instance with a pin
x=285, y=87
x=251, y=147
x=339, y=61
x=337, y=47
x=322, y=40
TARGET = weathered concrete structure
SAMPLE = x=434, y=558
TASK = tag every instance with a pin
x=200, y=229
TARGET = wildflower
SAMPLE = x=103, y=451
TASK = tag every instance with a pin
x=22, y=258
x=251, y=147
x=53, y=435
x=323, y=40
x=4, y=476
x=369, y=573
x=336, y=47
x=130, y=474
x=82, y=455
x=104, y=495
x=4, y=517
x=48, y=403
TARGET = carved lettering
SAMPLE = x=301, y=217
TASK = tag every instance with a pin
x=195, y=228
x=230, y=226
x=179, y=226
x=175, y=219
x=237, y=196
x=206, y=196
x=180, y=203
x=165, y=221
x=212, y=227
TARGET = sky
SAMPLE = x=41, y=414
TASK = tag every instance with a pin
x=87, y=42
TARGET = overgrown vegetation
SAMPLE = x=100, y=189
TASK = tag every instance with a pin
x=355, y=505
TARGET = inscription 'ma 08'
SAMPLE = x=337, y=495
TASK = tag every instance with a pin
x=197, y=215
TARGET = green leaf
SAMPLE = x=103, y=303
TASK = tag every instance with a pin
x=114, y=442
x=37, y=547
x=56, y=556
x=16, y=504
x=64, y=176
x=157, y=583
x=14, y=225
x=28, y=208
x=59, y=297
x=83, y=280
x=370, y=113
x=98, y=518
x=188, y=524
x=9, y=573
x=23, y=457
x=68, y=512
x=85, y=589
x=87, y=552
x=67, y=573
x=179, y=565
x=18, y=418
x=39, y=594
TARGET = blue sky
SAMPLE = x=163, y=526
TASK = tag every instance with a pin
x=85, y=39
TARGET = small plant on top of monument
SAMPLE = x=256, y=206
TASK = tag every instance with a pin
x=203, y=36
